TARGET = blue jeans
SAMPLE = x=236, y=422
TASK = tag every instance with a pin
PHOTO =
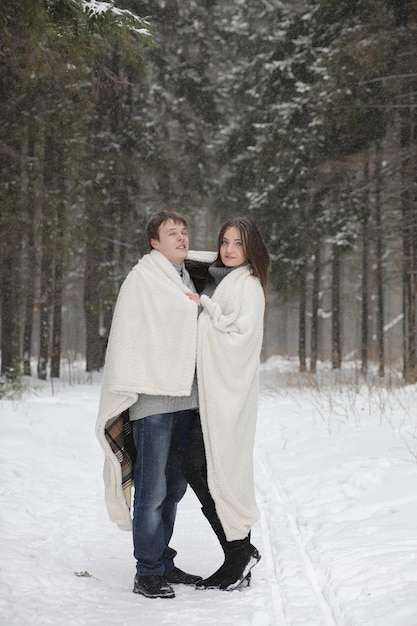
x=161, y=442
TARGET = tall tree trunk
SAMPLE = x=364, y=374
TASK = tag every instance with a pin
x=365, y=257
x=31, y=265
x=408, y=142
x=27, y=328
x=10, y=354
x=58, y=290
x=315, y=311
x=409, y=322
x=45, y=299
x=302, y=319
x=46, y=264
x=409, y=220
x=336, y=329
x=10, y=251
x=95, y=223
x=60, y=221
x=379, y=249
x=95, y=347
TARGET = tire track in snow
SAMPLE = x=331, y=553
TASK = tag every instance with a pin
x=291, y=572
x=278, y=611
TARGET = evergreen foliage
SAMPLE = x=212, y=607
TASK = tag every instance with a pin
x=301, y=114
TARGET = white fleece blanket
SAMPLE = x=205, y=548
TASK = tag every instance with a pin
x=230, y=331
x=151, y=350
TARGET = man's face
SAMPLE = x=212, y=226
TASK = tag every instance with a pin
x=173, y=241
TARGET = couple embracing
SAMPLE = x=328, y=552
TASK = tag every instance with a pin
x=179, y=398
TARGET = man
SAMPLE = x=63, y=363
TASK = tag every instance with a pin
x=148, y=397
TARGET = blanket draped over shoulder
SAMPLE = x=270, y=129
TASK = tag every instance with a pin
x=230, y=331
x=151, y=350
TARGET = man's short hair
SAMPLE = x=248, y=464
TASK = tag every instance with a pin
x=152, y=227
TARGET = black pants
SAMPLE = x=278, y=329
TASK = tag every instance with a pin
x=195, y=472
x=195, y=466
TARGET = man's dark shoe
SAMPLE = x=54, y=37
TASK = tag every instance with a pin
x=176, y=576
x=153, y=587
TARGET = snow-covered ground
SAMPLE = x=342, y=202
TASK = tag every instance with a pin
x=336, y=476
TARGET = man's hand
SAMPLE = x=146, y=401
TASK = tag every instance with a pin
x=193, y=296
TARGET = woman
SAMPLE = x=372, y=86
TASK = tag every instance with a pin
x=230, y=331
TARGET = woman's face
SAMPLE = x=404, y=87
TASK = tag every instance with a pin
x=232, y=251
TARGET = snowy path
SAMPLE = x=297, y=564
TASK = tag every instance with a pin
x=337, y=480
x=337, y=493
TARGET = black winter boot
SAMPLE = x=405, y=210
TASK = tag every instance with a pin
x=240, y=557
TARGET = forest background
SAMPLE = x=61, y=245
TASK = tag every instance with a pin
x=301, y=114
